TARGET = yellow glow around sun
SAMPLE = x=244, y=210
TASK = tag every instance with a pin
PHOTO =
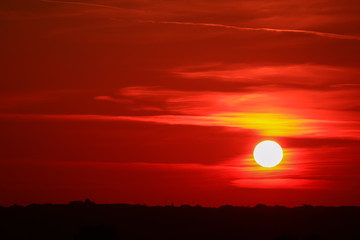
x=268, y=124
x=268, y=153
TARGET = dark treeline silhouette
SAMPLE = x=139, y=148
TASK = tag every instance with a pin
x=87, y=220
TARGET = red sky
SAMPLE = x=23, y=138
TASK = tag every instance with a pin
x=161, y=102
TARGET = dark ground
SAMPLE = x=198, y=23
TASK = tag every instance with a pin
x=86, y=220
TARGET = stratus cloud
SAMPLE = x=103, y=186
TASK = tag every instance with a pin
x=320, y=34
x=280, y=183
x=266, y=124
x=111, y=99
x=285, y=73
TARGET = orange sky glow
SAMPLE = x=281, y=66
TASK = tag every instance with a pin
x=162, y=102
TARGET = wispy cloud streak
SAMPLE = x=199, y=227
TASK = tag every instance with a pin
x=316, y=33
x=86, y=4
x=320, y=34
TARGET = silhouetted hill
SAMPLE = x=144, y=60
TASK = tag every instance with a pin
x=86, y=220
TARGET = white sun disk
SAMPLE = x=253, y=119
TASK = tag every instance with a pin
x=268, y=153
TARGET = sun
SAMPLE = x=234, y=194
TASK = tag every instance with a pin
x=268, y=153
